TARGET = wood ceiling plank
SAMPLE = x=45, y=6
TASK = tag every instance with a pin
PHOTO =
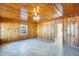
x=47, y=11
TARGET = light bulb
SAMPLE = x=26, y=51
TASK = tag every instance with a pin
x=36, y=17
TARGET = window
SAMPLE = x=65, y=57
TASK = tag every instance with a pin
x=23, y=29
x=24, y=14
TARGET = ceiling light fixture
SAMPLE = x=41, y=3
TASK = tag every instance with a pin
x=36, y=16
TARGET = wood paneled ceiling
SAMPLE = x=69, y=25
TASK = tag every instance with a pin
x=47, y=12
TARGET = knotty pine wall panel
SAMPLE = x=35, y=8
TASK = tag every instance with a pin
x=71, y=31
x=11, y=30
x=46, y=30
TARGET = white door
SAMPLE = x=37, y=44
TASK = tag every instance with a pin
x=59, y=37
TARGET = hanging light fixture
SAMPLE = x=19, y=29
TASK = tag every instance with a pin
x=36, y=16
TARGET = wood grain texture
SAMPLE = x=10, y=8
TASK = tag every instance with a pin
x=10, y=19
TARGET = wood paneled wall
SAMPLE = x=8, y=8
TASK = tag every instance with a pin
x=46, y=30
x=10, y=30
x=71, y=31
